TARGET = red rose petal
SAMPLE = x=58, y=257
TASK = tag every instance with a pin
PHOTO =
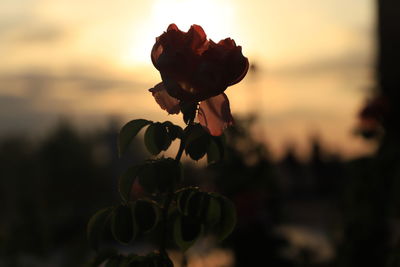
x=215, y=114
x=193, y=68
x=238, y=66
x=228, y=62
x=172, y=27
x=227, y=43
x=166, y=102
x=155, y=53
x=197, y=38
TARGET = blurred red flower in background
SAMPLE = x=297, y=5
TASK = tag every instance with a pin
x=372, y=116
x=194, y=69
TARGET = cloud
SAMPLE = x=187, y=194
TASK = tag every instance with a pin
x=34, y=80
x=351, y=61
x=39, y=34
x=33, y=100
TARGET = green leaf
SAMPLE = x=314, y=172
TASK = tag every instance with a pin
x=126, y=181
x=128, y=132
x=193, y=132
x=174, y=131
x=149, y=140
x=196, y=205
x=156, y=138
x=186, y=231
x=146, y=215
x=197, y=141
x=123, y=227
x=216, y=149
x=212, y=213
x=96, y=227
x=183, y=197
x=204, y=207
x=227, y=221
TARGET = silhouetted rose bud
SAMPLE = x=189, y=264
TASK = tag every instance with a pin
x=194, y=69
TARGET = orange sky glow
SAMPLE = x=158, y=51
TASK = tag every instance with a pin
x=91, y=59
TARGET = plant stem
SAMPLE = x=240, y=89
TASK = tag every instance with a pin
x=180, y=151
x=183, y=143
x=167, y=203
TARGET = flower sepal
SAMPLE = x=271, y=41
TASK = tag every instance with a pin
x=189, y=111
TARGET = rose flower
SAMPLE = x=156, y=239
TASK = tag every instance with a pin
x=194, y=69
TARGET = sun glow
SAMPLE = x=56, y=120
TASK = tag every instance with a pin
x=215, y=16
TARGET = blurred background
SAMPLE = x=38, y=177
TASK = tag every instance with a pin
x=312, y=163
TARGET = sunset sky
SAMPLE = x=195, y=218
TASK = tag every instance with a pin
x=89, y=60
